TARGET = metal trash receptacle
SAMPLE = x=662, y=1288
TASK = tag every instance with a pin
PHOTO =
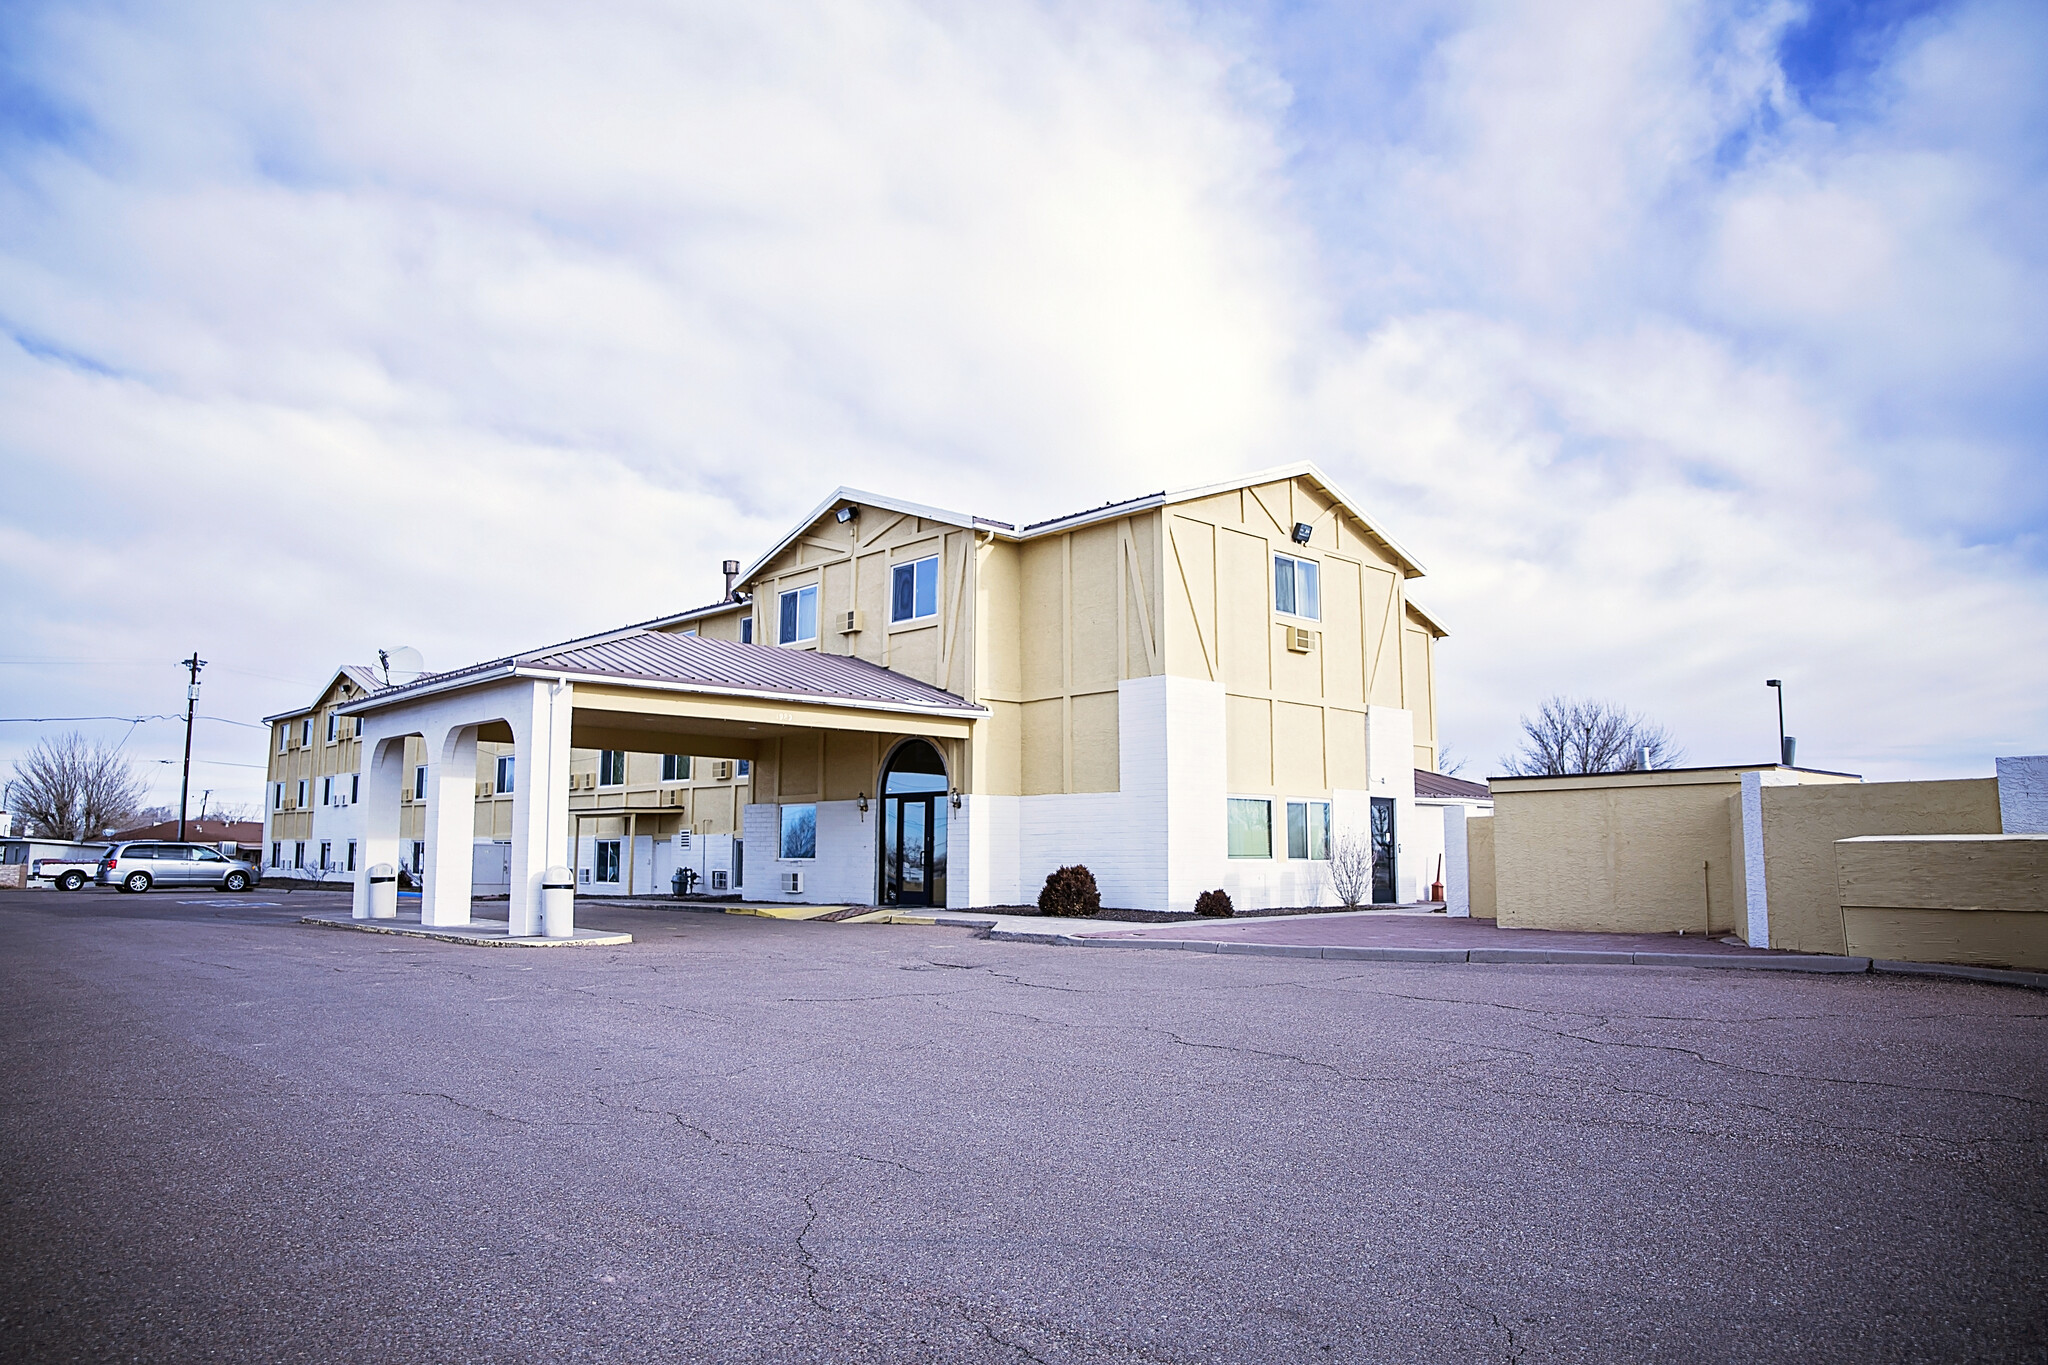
x=558, y=903
x=383, y=891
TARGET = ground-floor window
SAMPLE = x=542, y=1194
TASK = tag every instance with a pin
x=608, y=861
x=277, y=855
x=299, y=854
x=1251, y=827
x=351, y=855
x=326, y=854
x=799, y=831
x=1308, y=829
x=419, y=853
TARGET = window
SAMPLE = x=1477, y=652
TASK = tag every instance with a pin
x=675, y=767
x=746, y=765
x=306, y=733
x=355, y=788
x=284, y=738
x=611, y=768
x=419, y=783
x=799, y=616
x=799, y=832
x=914, y=590
x=326, y=854
x=326, y=791
x=505, y=763
x=608, y=860
x=1297, y=587
x=1308, y=829
x=746, y=630
x=419, y=856
x=299, y=854
x=333, y=727
x=277, y=796
x=305, y=794
x=351, y=855
x=1251, y=828
x=277, y=855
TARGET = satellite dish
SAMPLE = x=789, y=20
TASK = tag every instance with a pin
x=401, y=665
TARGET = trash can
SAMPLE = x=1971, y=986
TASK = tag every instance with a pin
x=558, y=903
x=675, y=883
x=383, y=891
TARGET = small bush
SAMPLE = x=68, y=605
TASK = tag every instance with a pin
x=1070, y=891
x=1215, y=904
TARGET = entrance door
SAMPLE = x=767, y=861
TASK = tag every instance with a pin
x=1382, y=850
x=913, y=842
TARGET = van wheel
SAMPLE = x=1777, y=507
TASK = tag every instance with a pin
x=237, y=881
x=135, y=881
x=71, y=881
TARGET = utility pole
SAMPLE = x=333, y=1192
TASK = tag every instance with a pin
x=193, y=665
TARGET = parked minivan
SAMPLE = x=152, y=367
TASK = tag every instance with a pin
x=141, y=865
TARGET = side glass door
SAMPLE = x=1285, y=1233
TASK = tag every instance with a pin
x=1382, y=850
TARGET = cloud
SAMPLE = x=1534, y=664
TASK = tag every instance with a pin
x=472, y=326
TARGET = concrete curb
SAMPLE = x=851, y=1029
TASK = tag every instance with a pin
x=1503, y=956
x=585, y=938
x=1996, y=976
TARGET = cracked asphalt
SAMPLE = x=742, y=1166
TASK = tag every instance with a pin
x=229, y=1137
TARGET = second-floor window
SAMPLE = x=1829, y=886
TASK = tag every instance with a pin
x=305, y=796
x=914, y=590
x=419, y=783
x=1297, y=587
x=799, y=616
x=675, y=767
x=746, y=630
x=277, y=796
x=505, y=762
x=611, y=768
x=326, y=791
x=333, y=727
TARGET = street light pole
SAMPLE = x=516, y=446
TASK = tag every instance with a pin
x=1784, y=748
x=193, y=665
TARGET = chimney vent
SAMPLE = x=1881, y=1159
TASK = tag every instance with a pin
x=732, y=574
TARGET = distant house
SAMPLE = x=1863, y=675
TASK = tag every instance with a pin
x=245, y=835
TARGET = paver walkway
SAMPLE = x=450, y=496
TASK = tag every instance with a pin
x=1416, y=931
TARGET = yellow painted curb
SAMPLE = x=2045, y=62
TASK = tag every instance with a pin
x=791, y=912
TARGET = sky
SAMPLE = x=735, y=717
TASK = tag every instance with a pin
x=1685, y=344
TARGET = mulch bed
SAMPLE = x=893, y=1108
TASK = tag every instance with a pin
x=1148, y=916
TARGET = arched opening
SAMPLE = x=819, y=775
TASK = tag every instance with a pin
x=913, y=842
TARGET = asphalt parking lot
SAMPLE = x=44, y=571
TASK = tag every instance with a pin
x=231, y=1137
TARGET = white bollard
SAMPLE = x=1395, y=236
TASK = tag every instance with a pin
x=383, y=891
x=558, y=903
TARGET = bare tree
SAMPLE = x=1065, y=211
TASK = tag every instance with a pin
x=1449, y=761
x=1571, y=736
x=1351, y=868
x=75, y=788
x=232, y=812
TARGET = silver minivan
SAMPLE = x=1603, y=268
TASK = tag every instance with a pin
x=139, y=866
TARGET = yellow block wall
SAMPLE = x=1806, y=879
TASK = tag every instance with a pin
x=1977, y=901
x=1801, y=825
x=1480, y=856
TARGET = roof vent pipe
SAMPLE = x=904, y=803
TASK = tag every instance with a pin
x=732, y=576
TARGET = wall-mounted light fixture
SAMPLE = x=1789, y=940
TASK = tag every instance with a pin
x=847, y=513
x=863, y=803
x=1302, y=531
x=956, y=798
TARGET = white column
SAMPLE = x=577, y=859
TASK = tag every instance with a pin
x=451, y=826
x=383, y=782
x=540, y=797
x=1457, y=863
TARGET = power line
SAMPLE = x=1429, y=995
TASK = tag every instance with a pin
x=131, y=720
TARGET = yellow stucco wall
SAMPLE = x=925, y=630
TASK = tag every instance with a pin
x=294, y=756
x=1296, y=720
x=1620, y=853
x=1981, y=901
x=1479, y=851
x=1802, y=824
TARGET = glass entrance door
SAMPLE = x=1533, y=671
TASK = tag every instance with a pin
x=1382, y=850
x=915, y=802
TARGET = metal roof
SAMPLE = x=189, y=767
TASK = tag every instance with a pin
x=362, y=675
x=694, y=663
x=1442, y=786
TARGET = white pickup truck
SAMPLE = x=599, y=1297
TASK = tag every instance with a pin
x=71, y=870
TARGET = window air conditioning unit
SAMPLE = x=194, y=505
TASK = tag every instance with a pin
x=720, y=771
x=720, y=879
x=853, y=622
x=671, y=796
x=341, y=798
x=792, y=883
x=1301, y=640
x=484, y=789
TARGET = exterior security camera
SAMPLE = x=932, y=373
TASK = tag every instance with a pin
x=846, y=514
x=1302, y=531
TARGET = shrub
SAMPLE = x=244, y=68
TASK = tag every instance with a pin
x=1215, y=904
x=1070, y=891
